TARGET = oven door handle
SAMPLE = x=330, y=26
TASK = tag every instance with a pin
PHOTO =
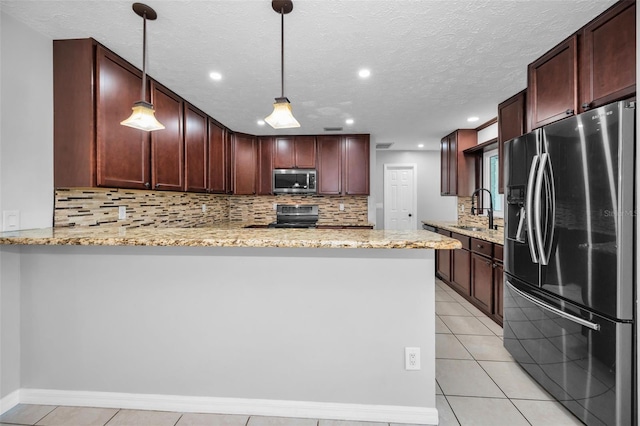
x=559, y=312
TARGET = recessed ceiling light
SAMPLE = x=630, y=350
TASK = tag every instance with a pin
x=260, y=122
x=364, y=73
x=215, y=76
x=421, y=145
x=472, y=119
x=349, y=121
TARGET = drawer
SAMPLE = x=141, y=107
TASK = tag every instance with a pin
x=498, y=252
x=482, y=247
x=463, y=239
x=443, y=232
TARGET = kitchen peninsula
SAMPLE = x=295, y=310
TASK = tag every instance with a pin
x=228, y=320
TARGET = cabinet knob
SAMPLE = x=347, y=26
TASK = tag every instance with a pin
x=157, y=185
x=586, y=105
x=147, y=185
x=569, y=112
x=487, y=262
x=480, y=246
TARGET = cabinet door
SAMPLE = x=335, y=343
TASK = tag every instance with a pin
x=167, y=145
x=511, y=124
x=284, y=157
x=122, y=152
x=244, y=165
x=608, y=56
x=553, y=85
x=356, y=165
x=329, y=165
x=452, y=156
x=443, y=260
x=460, y=270
x=305, y=152
x=265, y=166
x=498, y=291
x=218, y=168
x=482, y=281
x=195, y=148
x=444, y=166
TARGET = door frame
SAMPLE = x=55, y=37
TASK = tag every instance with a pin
x=385, y=198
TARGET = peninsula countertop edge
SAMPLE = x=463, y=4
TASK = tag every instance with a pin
x=230, y=234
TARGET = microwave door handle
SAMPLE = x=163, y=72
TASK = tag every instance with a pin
x=529, y=208
x=538, y=209
x=559, y=312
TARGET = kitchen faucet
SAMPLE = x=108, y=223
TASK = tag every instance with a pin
x=490, y=211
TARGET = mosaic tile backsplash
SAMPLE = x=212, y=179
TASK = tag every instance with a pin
x=467, y=219
x=164, y=209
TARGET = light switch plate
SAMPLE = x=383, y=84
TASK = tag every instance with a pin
x=10, y=220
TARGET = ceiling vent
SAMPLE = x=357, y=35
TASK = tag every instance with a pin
x=333, y=129
x=383, y=145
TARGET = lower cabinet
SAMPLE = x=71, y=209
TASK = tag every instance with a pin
x=475, y=271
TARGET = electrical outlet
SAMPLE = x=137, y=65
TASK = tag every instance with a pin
x=10, y=220
x=204, y=208
x=462, y=208
x=412, y=358
x=341, y=207
x=275, y=206
x=122, y=212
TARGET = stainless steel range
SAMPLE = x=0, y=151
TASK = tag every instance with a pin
x=295, y=216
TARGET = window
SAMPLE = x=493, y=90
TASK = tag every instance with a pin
x=490, y=172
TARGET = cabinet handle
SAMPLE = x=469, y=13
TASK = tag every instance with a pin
x=487, y=262
x=147, y=185
x=157, y=185
x=495, y=266
x=586, y=105
x=569, y=112
x=479, y=246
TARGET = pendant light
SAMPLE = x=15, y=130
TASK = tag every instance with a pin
x=143, y=116
x=282, y=117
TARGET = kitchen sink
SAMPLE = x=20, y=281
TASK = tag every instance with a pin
x=471, y=228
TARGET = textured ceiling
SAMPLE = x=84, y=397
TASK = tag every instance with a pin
x=433, y=63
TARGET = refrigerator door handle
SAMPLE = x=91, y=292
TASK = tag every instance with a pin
x=559, y=312
x=529, y=205
x=538, y=208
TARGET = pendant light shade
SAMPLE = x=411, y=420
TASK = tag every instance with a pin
x=143, y=115
x=282, y=116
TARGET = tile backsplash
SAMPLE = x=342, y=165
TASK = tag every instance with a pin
x=163, y=209
x=466, y=218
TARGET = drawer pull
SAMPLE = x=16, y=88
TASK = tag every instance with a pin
x=480, y=246
x=569, y=112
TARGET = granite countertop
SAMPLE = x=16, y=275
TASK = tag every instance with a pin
x=494, y=236
x=232, y=235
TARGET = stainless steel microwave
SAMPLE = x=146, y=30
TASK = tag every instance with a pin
x=294, y=181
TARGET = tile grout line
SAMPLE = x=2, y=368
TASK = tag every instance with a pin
x=111, y=418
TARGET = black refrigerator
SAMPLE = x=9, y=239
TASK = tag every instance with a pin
x=569, y=261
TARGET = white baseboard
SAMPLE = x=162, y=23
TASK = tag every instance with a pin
x=9, y=401
x=252, y=407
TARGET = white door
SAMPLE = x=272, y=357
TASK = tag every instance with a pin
x=400, y=202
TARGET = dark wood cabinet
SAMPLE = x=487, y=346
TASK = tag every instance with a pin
x=329, y=165
x=457, y=171
x=443, y=260
x=608, y=56
x=244, y=164
x=553, y=85
x=219, y=148
x=343, y=165
x=122, y=152
x=511, y=123
x=196, y=141
x=295, y=152
x=460, y=265
x=167, y=145
x=265, y=165
x=482, y=281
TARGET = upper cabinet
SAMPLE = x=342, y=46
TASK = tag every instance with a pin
x=265, y=165
x=195, y=149
x=608, y=56
x=456, y=171
x=167, y=146
x=511, y=124
x=244, y=165
x=122, y=152
x=219, y=148
x=295, y=152
x=553, y=84
x=343, y=165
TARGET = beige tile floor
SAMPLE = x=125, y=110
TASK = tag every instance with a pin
x=477, y=383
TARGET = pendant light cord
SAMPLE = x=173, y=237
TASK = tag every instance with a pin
x=144, y=56
x=282, y=51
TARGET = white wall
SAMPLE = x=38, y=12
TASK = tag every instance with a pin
x=26, y=124
x=26, y=170
x=431, y=205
